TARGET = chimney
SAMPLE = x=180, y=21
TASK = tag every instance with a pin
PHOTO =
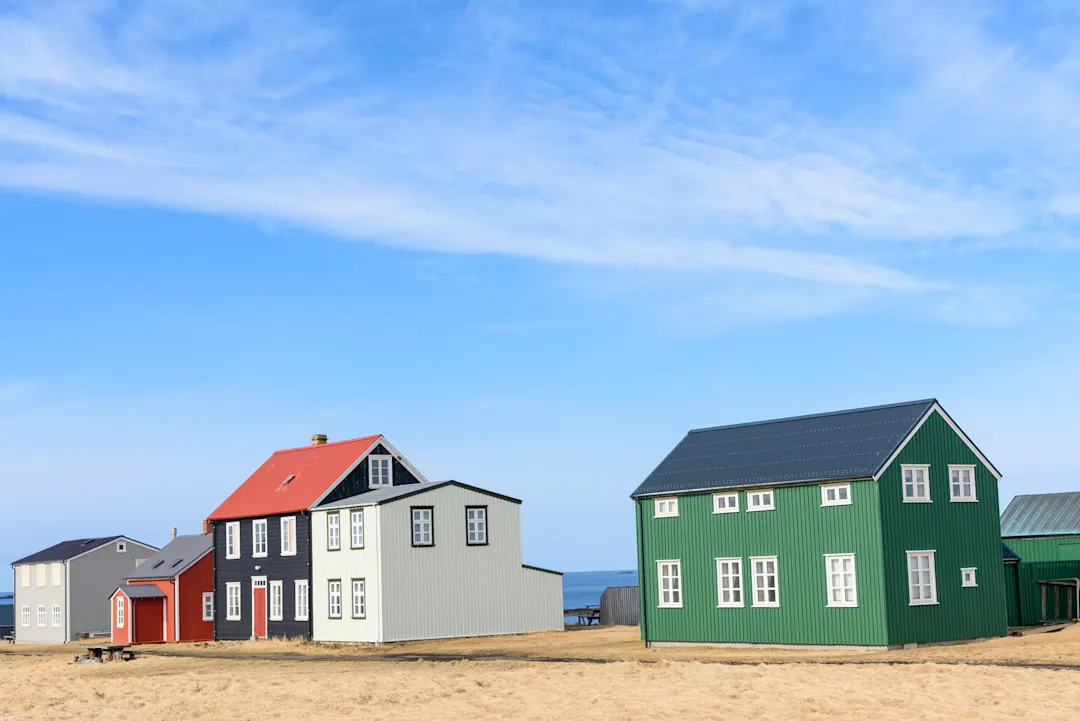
x=318, y=439
x=174, y=533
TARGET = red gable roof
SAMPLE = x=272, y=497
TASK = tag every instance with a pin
x=314, y=469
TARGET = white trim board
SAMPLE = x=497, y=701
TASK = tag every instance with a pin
x=394, y=453
x=956, y=429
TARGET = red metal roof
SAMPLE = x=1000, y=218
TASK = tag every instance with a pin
x=314, y=469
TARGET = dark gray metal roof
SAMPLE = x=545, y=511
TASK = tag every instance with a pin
x=66, y=549
x=843, y=445
x=1007, y=554
x=1045, y=514
x=175, y=558
x=140, y=590
x=393, y=493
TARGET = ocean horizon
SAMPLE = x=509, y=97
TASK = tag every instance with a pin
x=584, y=588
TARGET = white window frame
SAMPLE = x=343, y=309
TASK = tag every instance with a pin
x=121, y=612
x=333, y=594
x=42, y=615
x=829, y=587
x=121, y=546
x=232, y=593
x=374, y=461
x=674, y=590
x=721, y=503
x=736, y=586
x=667, y=507
x=57, y=616
x=359, y=593
x=256, y=524
x=302, y=599
x=836, y=489
x=754, y=602
x=914, y=468
x=24, y=615
x=24, y=576
x=964, y=577
x=276, y=598
x=418, y=526
x=961, y=498
x=333, y=531
x=932, y=600
x=41, y=575
x=57, y=572
x=755, y=500
x=356, y=530
x=208, y=606
x=232, y=539
x=288, y=536
x=476, y=527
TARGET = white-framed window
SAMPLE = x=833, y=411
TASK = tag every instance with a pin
x=334, y=599
x=422, y=531
x=121, y=611
x=42, y=616
x=669, y=579
x=333, y=531
x=359, y=598
x=288, y=536
x=24, y=576
x=208, y=606
x=766, y=581
x=41, y=572
x=764, y=500
x=916, y=483
x=24, y=616
x=840, y=579
x=379, y=471
x=57, y=574
x=258, y=538
x=232, y=601
x=729, y=585
x=277, y=601
x=967, y=578
x=232, y=539
x=962, y=484
x=838, y=494
x=725, y=503
x=476, y=526
x=356, y=528
x=922, y=580
x=121, y=547
x=57, y=619
x=300, y=591
x=666, y=507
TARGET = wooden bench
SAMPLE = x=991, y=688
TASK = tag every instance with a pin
x=10, y=638
x=110, y=652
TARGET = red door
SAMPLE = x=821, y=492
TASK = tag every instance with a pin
x=258, y=605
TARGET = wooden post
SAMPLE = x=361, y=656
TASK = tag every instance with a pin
x=1043, y=587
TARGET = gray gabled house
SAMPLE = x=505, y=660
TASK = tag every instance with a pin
x=61, y=592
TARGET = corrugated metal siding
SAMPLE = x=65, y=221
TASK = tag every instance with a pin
x=346, y=564
x=1047, y=548
x=1044, y=514
x=1030, y=593
x=1012, y=593
x=619, y=606
x=453, y=589
x=799, y=532
x=962, y=535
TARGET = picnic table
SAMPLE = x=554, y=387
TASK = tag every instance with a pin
x=110, y=652
x=585, y=616
x=10, y=638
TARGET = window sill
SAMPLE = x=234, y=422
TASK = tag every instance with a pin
x=234, y=618
x=667, y=515
x=669, y=605
x=963, y=500
x=356, y=548
x=298, y=618
x=288, y=553
x=258, y=555
x=730, y=605
x=922, y=603
x=276, y=618
x=757, y=510
x=730, y=510
x=917, y=500
x=232, y=558
x=841, y=605
x=842, y=503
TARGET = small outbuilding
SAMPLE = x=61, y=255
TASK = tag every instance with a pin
x=1043, y=527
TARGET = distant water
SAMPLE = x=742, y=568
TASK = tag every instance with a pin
x=584, y=588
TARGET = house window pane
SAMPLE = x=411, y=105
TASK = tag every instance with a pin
x=356, y=525
x=729, y=582
x=335, y=599
x=379, y=470
x=333, y=531
x=359, y=598
x=766, y=585
x=422, y=534
x=840, y=578
x=669, y=576
x=301, y=598
x=476, y=526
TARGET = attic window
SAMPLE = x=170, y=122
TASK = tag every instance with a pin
x=379, y=472
x=121, y=547
x=158, y=564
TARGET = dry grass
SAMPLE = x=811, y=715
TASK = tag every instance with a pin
x=51, y=687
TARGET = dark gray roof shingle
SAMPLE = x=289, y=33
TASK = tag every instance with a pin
x=172, y=560
x=824, y=447
x=1044, y=514
x=66, y=549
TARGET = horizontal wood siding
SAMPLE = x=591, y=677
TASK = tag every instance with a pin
x=799, y=533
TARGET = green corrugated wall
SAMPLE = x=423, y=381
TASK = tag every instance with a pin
x=799, y=532
x=961, y=534
x=1030, y=593
x=1012, y=593
x=1046, y=548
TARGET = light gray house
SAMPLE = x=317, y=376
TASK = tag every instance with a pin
x=61, y=593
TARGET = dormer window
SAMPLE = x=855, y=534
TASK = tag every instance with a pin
x=379, y=472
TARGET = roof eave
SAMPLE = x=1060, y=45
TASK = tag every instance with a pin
x=745, y=486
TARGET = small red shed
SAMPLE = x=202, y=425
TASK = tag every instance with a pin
x=169, y=597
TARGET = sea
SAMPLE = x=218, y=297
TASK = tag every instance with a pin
x=584, y=588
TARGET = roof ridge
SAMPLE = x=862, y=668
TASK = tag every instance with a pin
x=331, y=443
x=814, y=415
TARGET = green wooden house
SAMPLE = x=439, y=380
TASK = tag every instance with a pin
x=873, y=527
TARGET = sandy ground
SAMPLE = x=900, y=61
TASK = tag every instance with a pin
x=52, y=687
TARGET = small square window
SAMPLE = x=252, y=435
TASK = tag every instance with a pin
x=725, y=503
x=836, y=495
x=967, y=578
x=761, y=501
x=666, y=507
x=962, y=484
x=121, y=547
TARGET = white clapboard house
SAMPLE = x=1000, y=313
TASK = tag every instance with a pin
x=429, y=560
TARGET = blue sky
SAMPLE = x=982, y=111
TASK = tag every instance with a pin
x=532, y=243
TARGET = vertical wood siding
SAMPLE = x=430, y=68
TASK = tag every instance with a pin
x=619, y=606
x=1029, y=592
x=961, y=534
x=799, y=532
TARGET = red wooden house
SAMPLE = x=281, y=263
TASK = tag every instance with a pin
x=170, y=597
